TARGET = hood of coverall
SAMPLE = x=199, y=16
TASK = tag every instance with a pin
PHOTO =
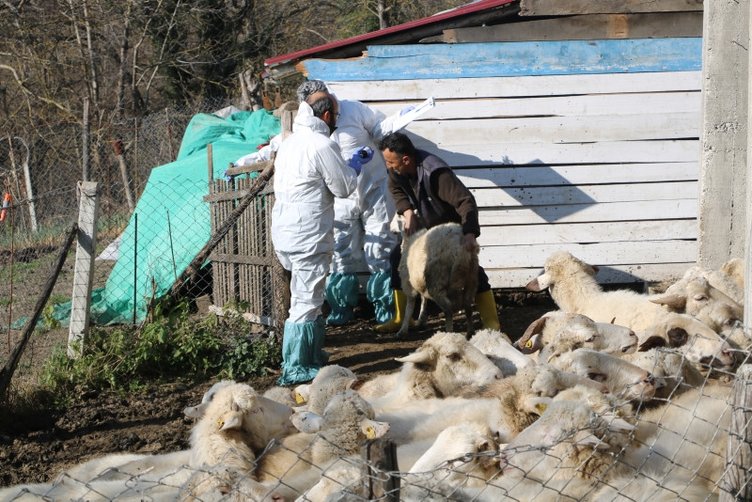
x=306, y=120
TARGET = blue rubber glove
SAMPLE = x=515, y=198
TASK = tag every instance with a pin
x=366, y=154
x=361, y=156
x=229, y=177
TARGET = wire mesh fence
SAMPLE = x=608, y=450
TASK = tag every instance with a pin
x=581, y=445
x=152, y=217
x=688, y=443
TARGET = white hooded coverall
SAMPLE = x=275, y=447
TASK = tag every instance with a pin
x=309, y=173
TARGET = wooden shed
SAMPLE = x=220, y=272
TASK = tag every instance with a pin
x=575, y=123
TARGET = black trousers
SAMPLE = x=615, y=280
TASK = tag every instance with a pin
x=396, y=255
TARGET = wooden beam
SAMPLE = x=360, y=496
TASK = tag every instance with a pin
x=585, y=27
x=571, y=7
x=509, y=87
x=514, y=59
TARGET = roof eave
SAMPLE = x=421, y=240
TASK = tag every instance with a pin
x=354, y=47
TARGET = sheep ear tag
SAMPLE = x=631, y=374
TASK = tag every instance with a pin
x=373, y=429
x=229, y=421
x=299, y=399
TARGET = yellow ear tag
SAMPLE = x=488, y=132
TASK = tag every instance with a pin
x=529, y=344
x=299, y=399
x=370, y=432
x=541, y=407
x=220, y=423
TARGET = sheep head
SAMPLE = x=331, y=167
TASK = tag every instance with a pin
x=699, y=343
x=449, y=363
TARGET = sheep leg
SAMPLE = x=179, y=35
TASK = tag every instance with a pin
x=445, y=303
x=468, y=306
x=409, y=308
x=423, y=311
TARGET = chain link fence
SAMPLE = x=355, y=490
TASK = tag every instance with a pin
x=153, y=213
x=690, y=446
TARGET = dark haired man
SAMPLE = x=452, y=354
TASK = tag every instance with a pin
x=427, y=193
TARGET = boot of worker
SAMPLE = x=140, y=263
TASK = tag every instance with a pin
x=395, y=323
x=487, y=310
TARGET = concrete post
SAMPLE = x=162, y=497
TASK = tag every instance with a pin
x=723, y=179
x=84, y=267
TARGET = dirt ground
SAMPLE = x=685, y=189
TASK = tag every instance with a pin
x=38, y=447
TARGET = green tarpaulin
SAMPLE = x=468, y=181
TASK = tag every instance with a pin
x=171, y=219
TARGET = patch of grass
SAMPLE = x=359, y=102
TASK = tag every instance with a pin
x=174, y=343
x=50, y=234
x=56, y=298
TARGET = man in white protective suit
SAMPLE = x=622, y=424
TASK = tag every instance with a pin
x=309, y=172
x=361, y=222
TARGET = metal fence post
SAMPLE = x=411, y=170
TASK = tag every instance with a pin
x=84, y=267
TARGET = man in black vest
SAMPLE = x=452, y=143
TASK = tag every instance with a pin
x=427, y=193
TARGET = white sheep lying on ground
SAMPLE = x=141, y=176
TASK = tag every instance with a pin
x=622, y=378
x=444, y=365
x=461, y=456
x=436, y=265
x=575, y=451
x=560, y=456
x=557, y=332
x=325, y=444
x=693, y=295
x=499, y=349
x=729, y=279
x=328, y=382
x=198, y=410
x=236, y=424
x=573, y=287
x=673, y=372
x=113, y=477
x=690, y=431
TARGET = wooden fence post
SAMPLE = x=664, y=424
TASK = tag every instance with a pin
x=379, y=463
x=84, y=268
x=29, y=188
x=736, y=483
x=280, y=277
x=85, y=142
x=117, y=145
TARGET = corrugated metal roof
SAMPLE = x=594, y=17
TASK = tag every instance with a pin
x=361, y=40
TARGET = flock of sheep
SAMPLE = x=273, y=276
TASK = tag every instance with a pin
x=617, y=396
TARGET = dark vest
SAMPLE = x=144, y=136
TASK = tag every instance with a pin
x=431, y=210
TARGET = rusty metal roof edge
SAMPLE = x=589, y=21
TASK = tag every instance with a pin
x=291, y=58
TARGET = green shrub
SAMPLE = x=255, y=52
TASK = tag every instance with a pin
x=176, y=343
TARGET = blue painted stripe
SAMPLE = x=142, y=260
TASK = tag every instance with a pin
x=508, y=59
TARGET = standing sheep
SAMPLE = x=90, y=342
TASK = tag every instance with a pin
x=436, y=265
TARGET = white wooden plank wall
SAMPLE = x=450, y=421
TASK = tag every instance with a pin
x=604, y=166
